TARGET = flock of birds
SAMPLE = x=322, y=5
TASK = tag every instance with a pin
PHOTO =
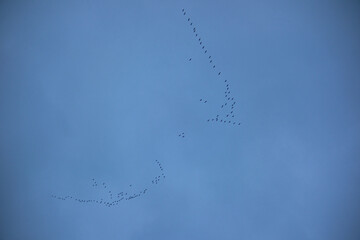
x=228, y=114
x=182, y=135
x=114, y=199
x=229, y=104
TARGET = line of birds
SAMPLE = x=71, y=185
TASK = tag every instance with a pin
x=119, y=196
x=228, y=107
x=157, y=178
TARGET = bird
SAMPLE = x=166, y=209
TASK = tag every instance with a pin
x=209, y=56
x=190, y=24
x=205, y=51
x=188, y=19
x=214, y=66
x=203, y=47
x=219, y=73
x=190, y=59
x=200, y=99
x=205, y=101
x=183, y=9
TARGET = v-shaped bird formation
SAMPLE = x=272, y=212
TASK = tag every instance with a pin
x=114, y=198
x=227, y=114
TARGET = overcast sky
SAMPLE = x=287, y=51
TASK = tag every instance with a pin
x=102, y=89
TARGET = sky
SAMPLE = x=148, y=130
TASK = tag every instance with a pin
x=105, y=132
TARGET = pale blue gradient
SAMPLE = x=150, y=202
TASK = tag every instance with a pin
x=101, y=89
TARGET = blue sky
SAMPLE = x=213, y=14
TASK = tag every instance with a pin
x=101, y=89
